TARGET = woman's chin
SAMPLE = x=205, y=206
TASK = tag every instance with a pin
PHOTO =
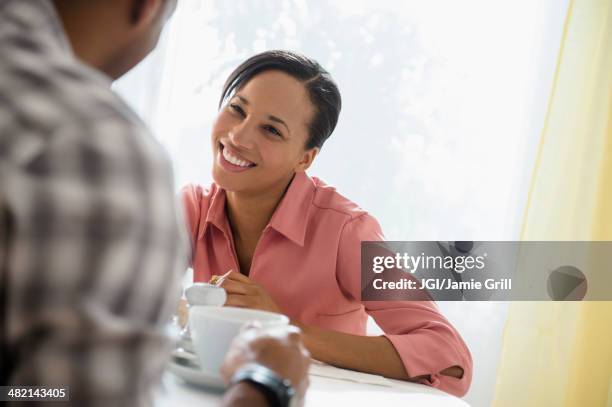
x=225, y=180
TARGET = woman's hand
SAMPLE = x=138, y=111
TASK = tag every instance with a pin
x=245, y=293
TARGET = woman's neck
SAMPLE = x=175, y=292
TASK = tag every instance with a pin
x=249, y=214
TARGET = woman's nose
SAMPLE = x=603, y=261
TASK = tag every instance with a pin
x=241, y=135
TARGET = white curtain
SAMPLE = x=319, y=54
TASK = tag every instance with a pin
x=443, y=103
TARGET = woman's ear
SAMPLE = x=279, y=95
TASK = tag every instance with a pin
x=307, y=159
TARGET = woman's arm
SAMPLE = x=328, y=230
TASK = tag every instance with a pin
x=370, y=354
x=416, y=334
x=419, y=343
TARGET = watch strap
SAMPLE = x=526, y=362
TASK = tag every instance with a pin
x=278, y=391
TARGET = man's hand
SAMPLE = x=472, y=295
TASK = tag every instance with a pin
x=279, y=349
x=246, y=293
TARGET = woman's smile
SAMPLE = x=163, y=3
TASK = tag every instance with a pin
x=232, y=161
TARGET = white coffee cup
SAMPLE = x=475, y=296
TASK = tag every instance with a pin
x=214, y=328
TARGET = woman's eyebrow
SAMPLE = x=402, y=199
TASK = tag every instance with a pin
x=270, y=117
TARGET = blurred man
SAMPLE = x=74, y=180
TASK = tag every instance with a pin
x=91, y=248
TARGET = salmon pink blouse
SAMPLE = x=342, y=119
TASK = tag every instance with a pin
x=308, y=259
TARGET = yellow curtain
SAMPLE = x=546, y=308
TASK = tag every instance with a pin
x=560, y=353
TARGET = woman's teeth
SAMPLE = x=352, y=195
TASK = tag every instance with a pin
x=235, y=160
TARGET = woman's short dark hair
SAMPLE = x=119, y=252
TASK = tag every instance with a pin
x=321, y=88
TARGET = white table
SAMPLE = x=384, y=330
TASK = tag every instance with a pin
x=323, y=391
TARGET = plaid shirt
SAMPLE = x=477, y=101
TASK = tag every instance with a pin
x=91, y=246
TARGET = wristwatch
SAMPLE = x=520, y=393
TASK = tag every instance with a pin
x=278, y=391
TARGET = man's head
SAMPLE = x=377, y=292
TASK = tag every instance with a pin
x=113, y=36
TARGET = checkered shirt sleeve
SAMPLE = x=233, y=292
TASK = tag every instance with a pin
x=92, y=244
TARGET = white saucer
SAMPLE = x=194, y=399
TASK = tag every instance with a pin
x=196, y=376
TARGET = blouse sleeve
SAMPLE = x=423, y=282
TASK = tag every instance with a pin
x=426, y=341
x=191, y=196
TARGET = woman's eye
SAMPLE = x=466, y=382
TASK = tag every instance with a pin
x=236, y=108
x=272, y=130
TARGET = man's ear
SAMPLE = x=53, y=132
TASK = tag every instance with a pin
x=144, y=11
x=307, y=159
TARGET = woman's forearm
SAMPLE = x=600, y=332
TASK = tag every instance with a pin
x=369, y=354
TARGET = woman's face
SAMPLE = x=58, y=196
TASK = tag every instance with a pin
x=259, y=135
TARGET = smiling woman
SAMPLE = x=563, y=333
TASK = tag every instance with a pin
x=293, y=241
x=262, y=133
